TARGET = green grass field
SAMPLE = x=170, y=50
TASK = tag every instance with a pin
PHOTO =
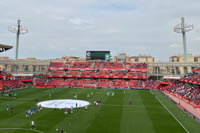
x=145, y=115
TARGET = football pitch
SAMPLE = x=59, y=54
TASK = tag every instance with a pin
x=124, y=111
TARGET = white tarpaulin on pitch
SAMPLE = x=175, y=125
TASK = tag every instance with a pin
x=63, y=103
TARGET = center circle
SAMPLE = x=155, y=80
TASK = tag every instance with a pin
x=63, y=103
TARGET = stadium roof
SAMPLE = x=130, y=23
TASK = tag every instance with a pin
x=4, y=47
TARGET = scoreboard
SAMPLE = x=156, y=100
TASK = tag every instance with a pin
x=98, y=55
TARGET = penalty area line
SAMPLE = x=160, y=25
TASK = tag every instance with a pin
x=22, y=129
x=170, y=112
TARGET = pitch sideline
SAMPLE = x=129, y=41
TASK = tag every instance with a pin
x=37, y=131
x=170, y=113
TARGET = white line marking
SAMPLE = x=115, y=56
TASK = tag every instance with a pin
x=22, y=129
x=131, y=106
x=170, y=112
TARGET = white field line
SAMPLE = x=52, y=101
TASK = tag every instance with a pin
x=22, y=129
x=131, y=106
x=170, y=113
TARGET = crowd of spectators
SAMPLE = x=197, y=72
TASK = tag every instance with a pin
x=82, y=64
x=8, y=85
x=7, y=82
x=56, y=64
x=40, y=81
x=118, y=73
x=101, y=73
x=98, y=69
x=97, y=64
x=193, y=77
x=190, y=92
x=98, y=83
x=197, y=70
x=4, y=75
x=87, y=73
x=72, y=73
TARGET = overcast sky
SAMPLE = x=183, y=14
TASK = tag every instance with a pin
x=70, y=27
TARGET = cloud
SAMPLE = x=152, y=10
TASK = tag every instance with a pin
x=72, y=49
x=113, y=31
x=81, y=21
x=65, y=27
x=197, y=38
x=58, y=17
x=76, y=21
x=82, y=24
x=175, y=46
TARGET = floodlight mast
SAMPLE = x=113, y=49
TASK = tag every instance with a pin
x=17, y=39
x=183, y=28
x=19, y=29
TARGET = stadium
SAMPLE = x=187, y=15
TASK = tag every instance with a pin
x=100, y=91
x=117, y=95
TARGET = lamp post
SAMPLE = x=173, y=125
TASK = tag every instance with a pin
x=183, y=28
x=19, y=29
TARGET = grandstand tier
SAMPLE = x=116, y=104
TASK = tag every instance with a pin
x=197, y=70
x=4, y=75
x=7, y=85
x=96, y=83
x=8, y=82
x=97, y=69
x=185, y=91
x=97, y=65
x=193, y=78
